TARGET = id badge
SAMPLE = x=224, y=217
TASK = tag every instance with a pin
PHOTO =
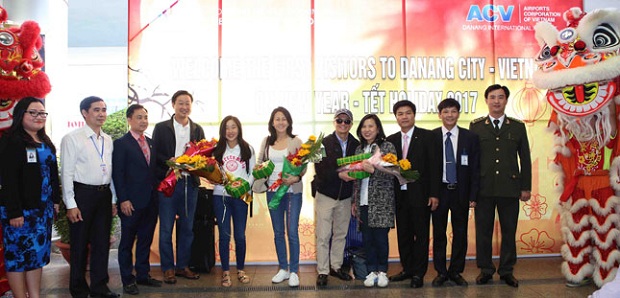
x=31, y=155
x=464, y=160
x=104, y=169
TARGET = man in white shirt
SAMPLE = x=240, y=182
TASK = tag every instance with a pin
x=169, y=140
x=86, y=170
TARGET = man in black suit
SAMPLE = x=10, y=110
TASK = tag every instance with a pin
x=415, y=200
x=459, y=190
x=170, y=138
x=134, y=179
x=505, y=178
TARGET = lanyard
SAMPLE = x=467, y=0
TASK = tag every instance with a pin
x=97, y=148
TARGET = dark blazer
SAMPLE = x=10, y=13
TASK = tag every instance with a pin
x=501, y=173
x=21, y=180
x=164, y=142
x=326, y=180
x=423, y=157
x=467, y=176
x=134, y=179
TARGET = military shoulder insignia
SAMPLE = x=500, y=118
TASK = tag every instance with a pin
x=478, y=120
x=514, y=119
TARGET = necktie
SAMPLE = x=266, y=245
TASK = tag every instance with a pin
x=405, y=145
x=145, y=148
x=450, y=160
x=496, y=125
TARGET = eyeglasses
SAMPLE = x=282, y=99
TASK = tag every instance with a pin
x=36, y=114
x=339, y=121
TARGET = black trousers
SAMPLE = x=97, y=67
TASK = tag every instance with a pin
x=412, y=229
x=459, y=211
x=96, y=208
x=139, y=228
x=508, y=212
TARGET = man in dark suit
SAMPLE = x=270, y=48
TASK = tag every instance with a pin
x=170, y=138
x=459, y=191
x=505, y=178
x=415, y=200
x=134, y=180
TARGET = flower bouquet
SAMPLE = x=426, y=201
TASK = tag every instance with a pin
x=387, y=163
x=197, y=161
x=294, y=164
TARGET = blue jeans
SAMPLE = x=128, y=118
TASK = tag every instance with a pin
x=225, y=207
x=169, y=208
x=375, y=244
x=289, y=210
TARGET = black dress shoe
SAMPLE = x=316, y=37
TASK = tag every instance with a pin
x=321, y=280
x=106, y=295
x=416, y=282
x=340, y=274
x=149, y=282
x=483, y=278
x=131, y=289
x=439, y=280
x=458, y=280
x=510, y=280
x=400, y=276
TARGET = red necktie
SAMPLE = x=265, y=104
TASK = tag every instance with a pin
x=145, y=148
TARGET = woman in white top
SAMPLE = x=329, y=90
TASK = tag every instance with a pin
x=280, y=143
x=237, y=157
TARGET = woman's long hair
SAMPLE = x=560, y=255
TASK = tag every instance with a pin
x=273, y=135
x=380, y=134
x=220, y=148
x=17, y=127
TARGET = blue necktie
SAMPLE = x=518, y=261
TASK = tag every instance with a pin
x=450, y=161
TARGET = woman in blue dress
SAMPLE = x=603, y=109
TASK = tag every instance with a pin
x=29, y=197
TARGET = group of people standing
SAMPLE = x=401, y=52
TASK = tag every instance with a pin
x=486, y=167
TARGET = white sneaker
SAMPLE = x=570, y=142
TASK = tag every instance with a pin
x=371, y=278
x=281, y=276
x=293, y=280
x=382, y=280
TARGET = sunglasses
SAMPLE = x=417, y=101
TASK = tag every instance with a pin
x=339, y=121
x=36, y=114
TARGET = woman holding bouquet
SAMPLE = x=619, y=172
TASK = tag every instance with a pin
x=236, y=157
x=276, y=147
x=374, y=201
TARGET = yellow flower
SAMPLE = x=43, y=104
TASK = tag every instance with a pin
x=312, y=138
x=296, y=161
x=306, y=145
x=303, y=152
x=182, y=159
x=404, y=164
x=390, y=157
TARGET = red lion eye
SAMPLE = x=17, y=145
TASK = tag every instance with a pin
x=554, y=50
x=579, y=45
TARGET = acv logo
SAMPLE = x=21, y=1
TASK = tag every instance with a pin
x=490, y=13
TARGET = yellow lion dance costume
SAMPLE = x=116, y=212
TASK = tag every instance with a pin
x=580, y=67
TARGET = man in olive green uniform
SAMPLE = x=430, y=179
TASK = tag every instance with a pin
x=505, y=178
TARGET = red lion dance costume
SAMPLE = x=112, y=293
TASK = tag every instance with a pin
x=580, y=67
x=20, y=76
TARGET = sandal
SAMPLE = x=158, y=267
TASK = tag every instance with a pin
x=226, y=280
x=242, y=277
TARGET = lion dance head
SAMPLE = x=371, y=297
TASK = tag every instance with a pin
x=21, y=66
x=580, y=67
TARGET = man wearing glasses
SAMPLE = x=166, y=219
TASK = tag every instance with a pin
x=332, y=191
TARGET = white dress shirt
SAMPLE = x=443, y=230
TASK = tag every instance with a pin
x=85, y=158
x=181, y=135
x=455, y=144
x=409, y=136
